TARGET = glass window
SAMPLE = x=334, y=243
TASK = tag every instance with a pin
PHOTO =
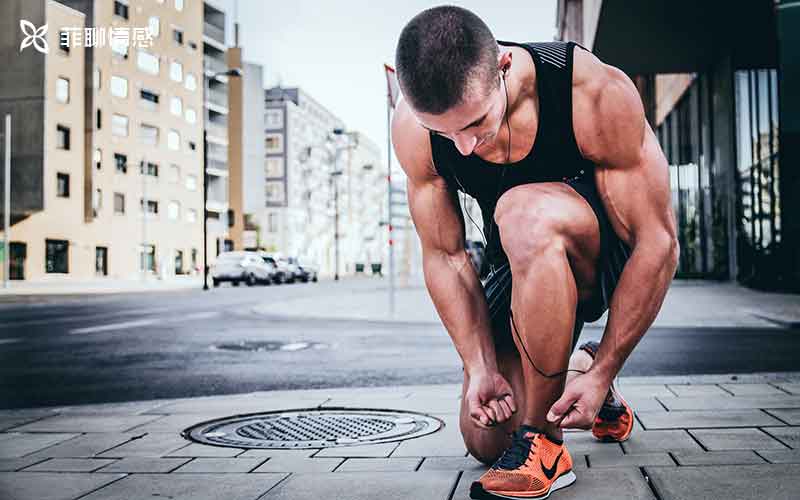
x=154, y=26
x=191, y=82
x=191, y=182
x=147, y=258
x=148, y=168
x=274, y=192
x=152, y=206
x=62, y=185
x=119, y=125
x=119, y=47
x=148, y=134
x=121, y=9
x=174, y=210
x=121, y=163
x=97, y=201
x=63, y=41
x=62, y=90
x=119, y=203
x=178, y=4
x=274, y=143
x=174, y=173
x=176, y=106
x=176, y=71
x=274, y=166
x=147, y=62
x=173, y=140
x=96, y=79
x=191, y=116
x=98, y=119
x=56, y=256
x=119, y=86
x=149, y=97
x=177, y=36
x=62, y=137
x=191, y=215
x=274, y=118
x=98, y=158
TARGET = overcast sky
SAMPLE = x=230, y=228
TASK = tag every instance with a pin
x=335, y=50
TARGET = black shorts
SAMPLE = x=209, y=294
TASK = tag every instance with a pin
x=614, y=253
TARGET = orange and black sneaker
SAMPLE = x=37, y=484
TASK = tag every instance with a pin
x=614, y=421
x=531, y=468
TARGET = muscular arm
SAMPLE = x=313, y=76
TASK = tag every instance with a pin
x=633, y=181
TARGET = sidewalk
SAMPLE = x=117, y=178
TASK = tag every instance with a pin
x=688, y=304
x=696, y=437
x=68, y=286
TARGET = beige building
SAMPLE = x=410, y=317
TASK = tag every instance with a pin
x=117, y=183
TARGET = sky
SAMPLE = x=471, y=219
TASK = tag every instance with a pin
x=335, y=50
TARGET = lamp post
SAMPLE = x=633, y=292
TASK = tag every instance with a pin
x=230, y=72
x=352, y=143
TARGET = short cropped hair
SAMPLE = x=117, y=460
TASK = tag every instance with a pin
x=442, y=54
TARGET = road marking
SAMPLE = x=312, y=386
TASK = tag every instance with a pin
x=112, y=326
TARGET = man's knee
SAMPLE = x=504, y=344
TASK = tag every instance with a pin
x=485, y=446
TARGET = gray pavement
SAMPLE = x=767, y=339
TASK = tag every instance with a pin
x=695, y=437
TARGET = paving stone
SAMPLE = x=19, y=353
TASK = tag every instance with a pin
x=287, y=464
x=717, y=457
x=790, y=436
x=695, y=391
x=187, y=487
x=87, y=423
x=453, y=463
x=20, y=444
x=358, y=401
x=153, y=444
x=15, y=464
x=123, y=408
x=616, y=483
x=238, y=406
x=705, y=419
x=379, y=464
x=431, y=485
x=603, y=460
x=70, y=465
x=204, y=450
x=736, y=439
x=9, y=423
x=643, y=391
x=781, y=456
x=655, y=441
x=367, y=451
x=220, y=465
x=790, y=416
x=145, y=465
x=262, y=453
x=752, y=389
x=726, y=481
x=643, y=403
x=177, y=423
x=86, y=446
x=794, y=388
x=51, y=486
x=731, y=402
x=585, y=443
x=447, y=442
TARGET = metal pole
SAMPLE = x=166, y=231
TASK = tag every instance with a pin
x=205, y=200
x=145, y=208
x=336, y=228
x=389, y=200
x=7, y=207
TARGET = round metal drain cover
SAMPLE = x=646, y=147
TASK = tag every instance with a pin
x=313, y=428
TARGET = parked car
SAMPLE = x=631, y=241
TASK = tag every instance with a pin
x=238, y=267
x=294, y=271
x=283, y=274
x=308, y=271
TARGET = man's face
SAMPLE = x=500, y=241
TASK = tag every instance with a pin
x=472, y=125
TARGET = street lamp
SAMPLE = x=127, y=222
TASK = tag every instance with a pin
x=352, y=143
x=230, y=72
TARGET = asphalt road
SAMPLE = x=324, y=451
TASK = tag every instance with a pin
x=75, y=350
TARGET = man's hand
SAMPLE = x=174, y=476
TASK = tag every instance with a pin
x=578, y=406
x=489, y=399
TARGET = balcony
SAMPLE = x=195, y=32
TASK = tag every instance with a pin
x=217, y=130
x=213, y=65
x=217, y=97
x=214, y=32
x=217, y=153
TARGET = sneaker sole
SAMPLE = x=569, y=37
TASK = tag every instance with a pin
x=477, y=492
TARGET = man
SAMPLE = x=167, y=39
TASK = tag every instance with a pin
x=574, y=190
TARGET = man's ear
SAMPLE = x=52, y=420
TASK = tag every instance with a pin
x=504, y=61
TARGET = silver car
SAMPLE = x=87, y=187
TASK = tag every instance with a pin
x=238, y=267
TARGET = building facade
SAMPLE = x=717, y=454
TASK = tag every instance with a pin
x=720, y=89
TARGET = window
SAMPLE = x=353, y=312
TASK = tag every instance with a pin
x=176, y=71
x=191, y=182
x=173, y=140
x=147, y=258
x=62, y=185
x=147, y=62
x=119, y=125
x=154, y=26
x=174, y=174
x=178, y=261
x=119, y=86
x=97, y=201
x=191, y=116
x=274, y=192
x=119, y=203
x=148, y=134
x=152, y=206
x=274, y=166
x=274, y=118
x=191, y=215
x=148, y=168
x=98, y=158
x=178, y=4
x=177, y=35
x=121, y=9
x=63, y=41
x=121, y=162
x=96, y=79
x=56, y=256
x=274, y=143
x=176, y=106
x=174, y=210
x=191, y=82
x=101, y=261
x=149, y=99
x=98, y=118
x=62, y=90
x=119, y=46
x=192, y=146
x=272, y=223
x=62, y=137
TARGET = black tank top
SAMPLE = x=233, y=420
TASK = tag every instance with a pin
x=553, y=157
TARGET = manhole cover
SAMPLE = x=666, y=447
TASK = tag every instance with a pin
x=269, y=346
x=313, y=428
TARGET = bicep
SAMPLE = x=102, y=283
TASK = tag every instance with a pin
x=436, y=215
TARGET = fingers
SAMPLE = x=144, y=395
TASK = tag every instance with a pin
x=574, y=419
x=503, y=404
x=561, y=407
x=509, y=400
x=480, y=417
x=493, y=408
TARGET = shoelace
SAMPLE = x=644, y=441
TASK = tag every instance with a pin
x=516, y=454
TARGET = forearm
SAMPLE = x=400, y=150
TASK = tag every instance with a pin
x=458, y=297
x=635, y=304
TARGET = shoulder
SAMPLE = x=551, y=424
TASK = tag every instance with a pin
x=608, y=115
x=412, y=144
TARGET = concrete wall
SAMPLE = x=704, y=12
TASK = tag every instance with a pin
x=253, y=139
